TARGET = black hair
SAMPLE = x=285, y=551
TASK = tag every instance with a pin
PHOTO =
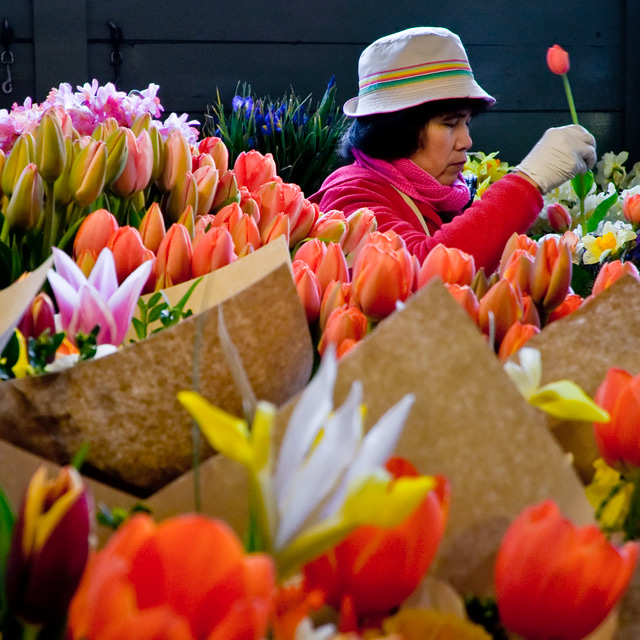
x=390, y=136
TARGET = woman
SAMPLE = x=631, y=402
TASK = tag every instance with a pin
x=409, y=142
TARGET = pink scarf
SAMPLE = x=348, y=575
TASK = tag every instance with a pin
x=406, y=176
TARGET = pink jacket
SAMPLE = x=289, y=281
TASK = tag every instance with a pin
x=511, y=204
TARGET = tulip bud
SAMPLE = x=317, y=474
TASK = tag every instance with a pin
x=141, y=123
x=51, y=153
x=88, y=173
x=157, y=144
x=206, y=184
x=308, y=289
x=152, y=228
x=480, y=283
x=570, y=304
x=279, y=226
x=22, y=153
x=332, y=266
x=631, y=208
x=86, y=260
x=2, y=163
x=551, y=275
x=218, y=151
x=344, y=323
x=518, y=270
x=117, y=153
x=61, y=191
x=517, y=241
x=312, y=251
x=173, y=258
x=177, y=161
x=49, y=547
x=277, y=197
x=610, y=272
x=302, y=223
x=449, y=264
x=517, y=336
x=530, y=313
x=183, y=194
x=213, y=250
x=252, y=169
x=128, y=251
x=559, y=217
x=245, y=232
x=202, y=160
x=228, y=216
x=249, y=205
x=39, y=317
x=188, y=220
x=105, y=129
x=466, y=298
x=360, y=224
x=227, y=192
x=336, y=294
x=557, y=60
x=503, y=303
x=95, y=232
x=27, y=200
x=331, y=226
x=136, y=173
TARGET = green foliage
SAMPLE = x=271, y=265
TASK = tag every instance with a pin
x=6, y=528
x=42, y=350
x=114, y=518
x=601, y=211
x=303, y=143
x=484, y=612
x=9, y=357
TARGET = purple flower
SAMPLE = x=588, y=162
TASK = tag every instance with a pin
x=85, y=303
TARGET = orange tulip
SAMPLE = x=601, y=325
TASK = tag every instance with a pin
x=466, y=298
x=278, y=197
x=250, y=203
x=558, y=60
x=559, y=217
x=185, y=578
x=332, y=266
x=95, y=232
x=302, y=223
x=336, y=294
x=173, y=258
x=517, y=336
x=213, y=250
x=551, y=274
x=244, y=233
x=517, y=241
x=330, y=226
x=374, y=570
x=503, y=301
x=572, y=302
x=480, y=283
x=554, y=580
x=217, y=150
x=530, y=313
x=252, y=169
x=617, y=440
x=128, y=251
x=228, y=216
x=152, y=228
x=344, y=323
x=612, y=271
x=279, y=226
x=312, y=252
x=382, y=275
x=360, y=224
x=631, y=207
x=518, y=269
x=449, y=264
x=308, y=289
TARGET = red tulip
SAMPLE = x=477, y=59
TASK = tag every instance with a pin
x=465, y=297
x=556, y=581
x=213, y=250
x=559, y=217
x=308, y=289
x=344, y=323
x=185, y=578
x=557, y=60
x=374, y=570
x=252, y=169
x=610, y=272
x=49, y=547
x=572, y=302
x=128, y=251
x=617, y=440
x=173, y=259
x=449, y=264
x=516, y=337
x=152, y=228
x=382, y=275
x=95, y=232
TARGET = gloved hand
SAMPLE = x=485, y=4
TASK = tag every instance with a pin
x=559, y=155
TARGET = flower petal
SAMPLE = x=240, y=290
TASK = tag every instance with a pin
x=66, y=296
x=92, y=310
x=564, y=399
x=103, y=275
x=68, y=269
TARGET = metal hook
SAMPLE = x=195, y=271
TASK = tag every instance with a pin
x=115, y=59
x=7, y=85
x=6, y=58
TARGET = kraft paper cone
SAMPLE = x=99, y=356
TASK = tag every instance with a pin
x=582, y=347
x=125, y=404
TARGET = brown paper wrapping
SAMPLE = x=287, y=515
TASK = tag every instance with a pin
x=125, y=404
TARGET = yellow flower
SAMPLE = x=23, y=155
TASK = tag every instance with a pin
x=610, y=495
x=22, y=368
x=598, y=248
x=420, y=624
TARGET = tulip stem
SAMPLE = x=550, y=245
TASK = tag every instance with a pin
x=632, y=521
x=4, y=235
x=49, y=212
x=572, y=106
x=30, y=632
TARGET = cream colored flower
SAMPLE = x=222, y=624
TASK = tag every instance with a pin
x=608, y=244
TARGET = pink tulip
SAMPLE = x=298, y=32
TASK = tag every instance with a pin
x=631, y=208
x=217, y=150
x=228, y=216
x=330, y=226
x=152, y=228
x=308, y=289
x=206, y=185
x=227, y=191
x=213, y=250
x=252, y=169
x=173, y=258
x=360, y=224
x=137, y=170
x=250, y=203
x=183, y=194
x=177, y=161
x=39, y=317
x=278, y=197
x=311, y=252
x=559, y=217
x=96, y=301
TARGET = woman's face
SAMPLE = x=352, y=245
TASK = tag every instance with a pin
x=444, y=142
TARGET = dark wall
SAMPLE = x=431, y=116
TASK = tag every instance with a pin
x=191, y=49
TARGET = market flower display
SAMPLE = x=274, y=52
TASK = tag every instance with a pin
x=555, y=581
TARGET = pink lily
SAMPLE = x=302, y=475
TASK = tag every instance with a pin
x=97, y=300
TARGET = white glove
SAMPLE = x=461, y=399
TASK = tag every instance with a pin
x=559, y=155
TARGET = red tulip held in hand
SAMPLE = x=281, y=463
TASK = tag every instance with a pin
x=558, y=60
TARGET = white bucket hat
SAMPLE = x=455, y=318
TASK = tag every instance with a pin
x=411, y=67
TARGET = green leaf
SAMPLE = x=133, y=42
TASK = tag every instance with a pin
x=601, y=211
x=187, y=295
x=157, y=311
x=583, y=277
x=80, y=455
x=140, y=328
x=7, y=520
x=582, y=184
x=11, y=352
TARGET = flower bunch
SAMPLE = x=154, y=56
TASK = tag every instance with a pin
x=303, y=141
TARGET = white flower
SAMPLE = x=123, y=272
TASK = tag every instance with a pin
x=611, y=169
x=612, y=238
